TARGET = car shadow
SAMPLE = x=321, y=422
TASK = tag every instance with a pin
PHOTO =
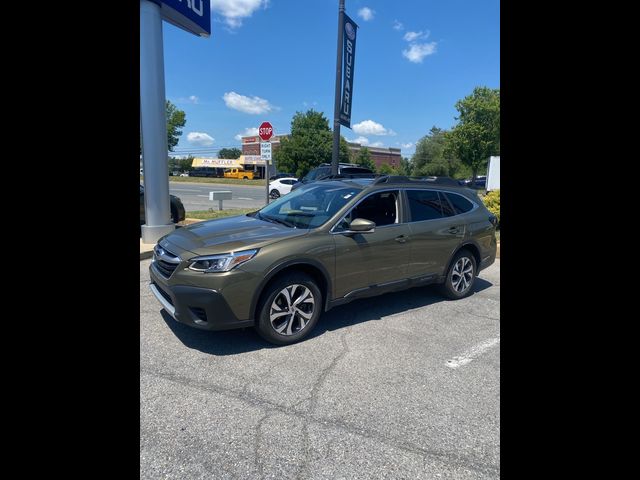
x=233, y=342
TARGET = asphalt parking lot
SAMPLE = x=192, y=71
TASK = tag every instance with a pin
x=406, y=385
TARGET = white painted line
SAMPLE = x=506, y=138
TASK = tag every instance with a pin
x=244, y=198
x=472, y=353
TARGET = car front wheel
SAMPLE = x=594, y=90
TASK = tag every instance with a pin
x=290, y=309
x=461, y=275
x=275, y=194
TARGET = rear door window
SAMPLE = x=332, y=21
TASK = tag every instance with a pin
x=424, y=205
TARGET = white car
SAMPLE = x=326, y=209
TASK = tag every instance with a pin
x=281, y=186
x=185, y=174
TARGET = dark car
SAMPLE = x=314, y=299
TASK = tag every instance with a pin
x=479, y=184
x=177, y=209
x=324, y=170
x=281, y=175
x=325, y=244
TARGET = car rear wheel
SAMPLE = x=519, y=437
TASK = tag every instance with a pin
x=461, y=275
x=290, y=309
x=275, y=194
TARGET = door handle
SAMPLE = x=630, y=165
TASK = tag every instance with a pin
x=454, y=230
x=401, y=239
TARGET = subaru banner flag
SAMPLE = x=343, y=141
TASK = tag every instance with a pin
x=348, y=63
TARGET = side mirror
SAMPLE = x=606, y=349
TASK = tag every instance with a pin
x=360, y=225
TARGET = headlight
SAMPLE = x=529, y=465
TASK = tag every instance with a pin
x=220, y=263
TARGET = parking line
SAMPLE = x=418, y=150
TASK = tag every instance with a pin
x=472, y=353
x=244, y=198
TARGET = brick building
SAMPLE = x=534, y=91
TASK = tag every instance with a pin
x=379, y=155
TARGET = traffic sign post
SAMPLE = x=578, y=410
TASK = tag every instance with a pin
x=265, y=131
x=265, y=154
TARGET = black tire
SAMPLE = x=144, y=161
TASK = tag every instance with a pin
x=174, y=215
x=245, y=178
x=298, y=326
x=454, y=284
x=274, y=194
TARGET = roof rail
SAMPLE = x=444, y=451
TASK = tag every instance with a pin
x=348, y=175
x=404, y=179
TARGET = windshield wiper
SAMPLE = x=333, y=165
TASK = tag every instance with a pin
x=276, y=220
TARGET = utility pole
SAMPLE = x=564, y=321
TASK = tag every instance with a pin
x=335, y=153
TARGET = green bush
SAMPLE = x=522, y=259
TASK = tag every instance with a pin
x=492, y=202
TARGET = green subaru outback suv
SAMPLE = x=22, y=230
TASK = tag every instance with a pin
x=323, y=245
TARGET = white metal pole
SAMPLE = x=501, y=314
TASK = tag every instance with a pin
x=153, y=125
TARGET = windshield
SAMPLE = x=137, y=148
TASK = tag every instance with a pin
x=309, y=206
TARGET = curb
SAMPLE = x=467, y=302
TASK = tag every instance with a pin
x=145, y=255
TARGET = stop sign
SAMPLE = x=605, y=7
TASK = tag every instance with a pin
x=265, y=131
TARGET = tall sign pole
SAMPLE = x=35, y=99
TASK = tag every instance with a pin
x=335, y=153
x=153, y=126
x=193, y=16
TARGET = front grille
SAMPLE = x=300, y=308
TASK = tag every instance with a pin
x=165, y=261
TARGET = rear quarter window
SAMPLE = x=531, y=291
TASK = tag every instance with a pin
x=460, y=204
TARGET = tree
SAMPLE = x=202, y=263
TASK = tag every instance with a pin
x=229, y=153
x=405, y=167
x=176, y=119
x=309, y=145
x=386, y=169
x=180, y=164
x=364, y=159
x=430, y=157
x=476, y=137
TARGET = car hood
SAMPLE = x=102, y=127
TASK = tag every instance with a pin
x=228, y=235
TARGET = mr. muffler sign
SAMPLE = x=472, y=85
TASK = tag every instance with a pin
x=348, y=63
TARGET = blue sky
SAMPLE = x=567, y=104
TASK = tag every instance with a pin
x=266, y=60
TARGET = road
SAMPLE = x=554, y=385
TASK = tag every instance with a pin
x=405, y=385
x=195, y=196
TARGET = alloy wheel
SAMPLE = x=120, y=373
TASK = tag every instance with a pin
x=462, y=274
x=291, y=309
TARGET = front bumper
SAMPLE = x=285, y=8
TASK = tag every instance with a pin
x=194, y=306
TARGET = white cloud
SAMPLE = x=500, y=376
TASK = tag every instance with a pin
x=369, y=127
x=200, y=138
x=194, y=99
x=413, y=36
x=361, y=140
x=366, y=13
x=248, y=132
x=417, y=51
x=397, y=25
x=376, y=144
x=234, y=11
x=406, y=145
x=252, y=105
